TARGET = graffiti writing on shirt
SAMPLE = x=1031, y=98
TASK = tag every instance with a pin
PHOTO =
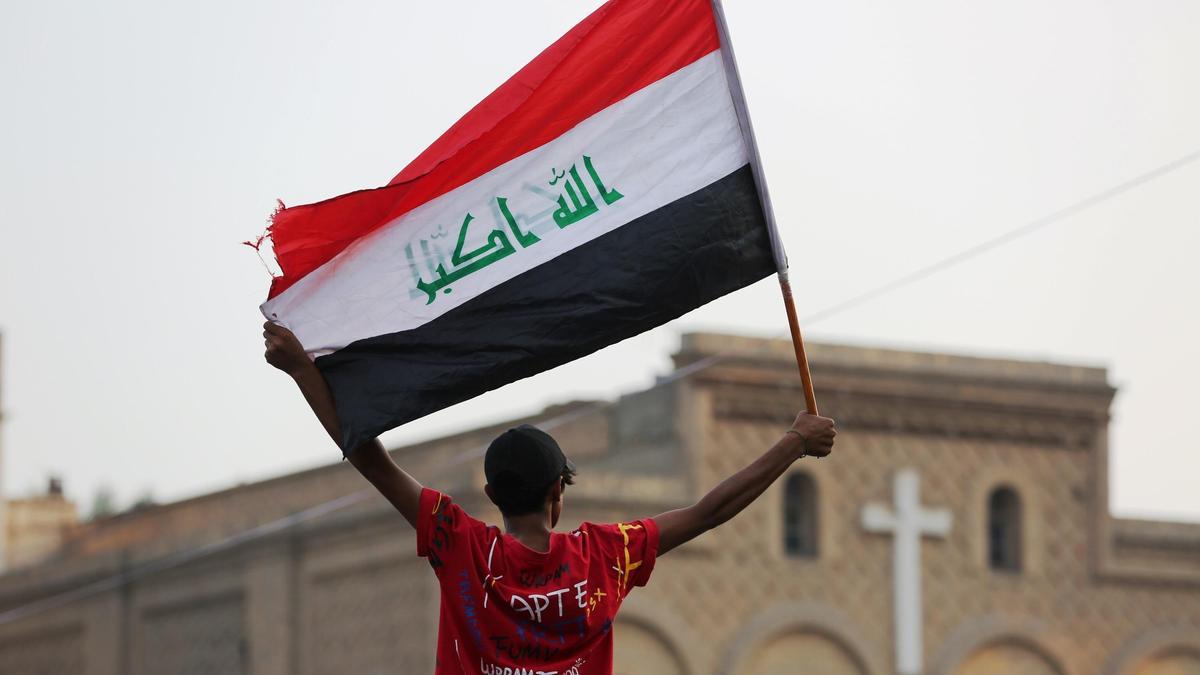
x=531, y=579
x=552, y=630
x=492, y=669
x=594, y=601
x=440, y=540
x=518, y=650
x=470, y=611
x=625, y=567
x=535, y=604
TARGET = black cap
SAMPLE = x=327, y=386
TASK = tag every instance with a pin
x=524, y=461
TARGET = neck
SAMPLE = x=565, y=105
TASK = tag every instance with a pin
x=531, y=529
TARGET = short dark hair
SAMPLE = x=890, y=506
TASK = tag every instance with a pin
x=514, y=501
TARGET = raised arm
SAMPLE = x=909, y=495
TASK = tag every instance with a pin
x=372, y=461
x=809, y=436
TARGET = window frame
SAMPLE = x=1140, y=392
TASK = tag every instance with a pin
x=1004, y=550
x=798, y=518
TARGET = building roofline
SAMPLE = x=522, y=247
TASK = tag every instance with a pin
x=878, y=358
x=408, y=449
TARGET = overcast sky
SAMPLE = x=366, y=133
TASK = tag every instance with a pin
x=141, y=141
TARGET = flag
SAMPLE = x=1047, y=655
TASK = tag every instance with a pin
x=606, y=188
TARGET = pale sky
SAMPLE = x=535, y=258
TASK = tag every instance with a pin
x=141, y=141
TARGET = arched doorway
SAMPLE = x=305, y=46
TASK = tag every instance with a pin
x=1006, y=659
x=638, y=650
x=1170, y=663
x=820, y=655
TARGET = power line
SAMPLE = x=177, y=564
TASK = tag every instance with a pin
x=1002, y=239
x=325, y=508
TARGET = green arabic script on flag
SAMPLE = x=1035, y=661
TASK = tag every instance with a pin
x=497, y=244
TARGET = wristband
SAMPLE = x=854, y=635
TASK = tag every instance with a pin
x=803, y=442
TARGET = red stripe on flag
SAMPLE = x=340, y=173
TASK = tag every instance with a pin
x=620, y=48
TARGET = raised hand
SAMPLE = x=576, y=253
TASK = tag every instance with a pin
x=284, y=350
x=817, y=432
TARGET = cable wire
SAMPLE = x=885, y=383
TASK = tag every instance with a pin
x=1002, y=239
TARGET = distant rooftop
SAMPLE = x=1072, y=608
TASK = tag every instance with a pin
x=896, y=360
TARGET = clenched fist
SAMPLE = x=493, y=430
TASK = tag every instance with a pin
x=284, y=350
x=817, y=432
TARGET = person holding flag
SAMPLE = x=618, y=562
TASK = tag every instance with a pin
x=527, y=599
x=611, y=185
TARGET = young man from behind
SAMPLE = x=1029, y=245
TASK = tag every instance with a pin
x=527, y=600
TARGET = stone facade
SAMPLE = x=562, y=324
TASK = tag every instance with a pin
x=36, y=526
x=311, y=574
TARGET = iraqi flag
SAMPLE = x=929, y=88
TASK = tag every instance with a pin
x=608, y=187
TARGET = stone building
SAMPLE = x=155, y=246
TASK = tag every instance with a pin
x=33, y=527
x=962, y=527
x=37, y=525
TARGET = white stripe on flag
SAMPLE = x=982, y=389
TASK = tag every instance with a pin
x=656, y=146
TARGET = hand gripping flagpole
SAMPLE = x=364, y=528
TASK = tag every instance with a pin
x=764, y=197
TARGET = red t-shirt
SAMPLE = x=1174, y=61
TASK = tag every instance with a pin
x=509, y=610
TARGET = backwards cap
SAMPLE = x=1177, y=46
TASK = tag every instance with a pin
x=524, y=462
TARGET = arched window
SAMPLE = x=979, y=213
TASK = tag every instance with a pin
x=1004, y=530
x=800, y=516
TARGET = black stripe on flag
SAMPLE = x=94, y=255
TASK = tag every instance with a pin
x=641, y=275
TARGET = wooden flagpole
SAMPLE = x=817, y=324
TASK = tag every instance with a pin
x=764, y=197
x=810, y=397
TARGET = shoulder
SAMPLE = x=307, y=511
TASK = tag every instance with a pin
x=440, y=517
x=632, y=545
x=620, y=534
x=436, y=503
